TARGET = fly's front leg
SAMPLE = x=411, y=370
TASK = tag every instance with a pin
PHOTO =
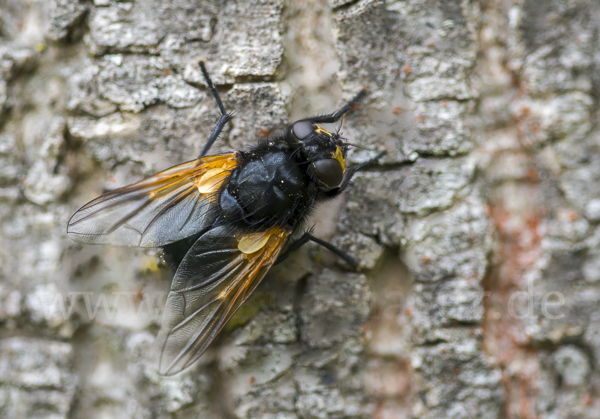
x=333, y=117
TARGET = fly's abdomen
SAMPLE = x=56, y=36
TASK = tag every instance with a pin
x=266, y=190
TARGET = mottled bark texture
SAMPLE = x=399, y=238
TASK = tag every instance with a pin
x=480, y=230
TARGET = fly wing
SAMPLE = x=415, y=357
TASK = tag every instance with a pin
x=215, y=277
x=156, y=211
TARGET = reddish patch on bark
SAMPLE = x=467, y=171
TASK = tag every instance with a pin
x=139, y=296
x=532, y=175
x=518, y=250
x=264, y=132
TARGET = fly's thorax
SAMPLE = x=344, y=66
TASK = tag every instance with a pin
x=268, y=188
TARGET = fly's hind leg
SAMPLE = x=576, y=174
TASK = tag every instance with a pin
x=306, y=237
x=223, y=119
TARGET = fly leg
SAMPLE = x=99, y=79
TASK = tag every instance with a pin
x=306, y=237
x=223, y=119
x=333, y=117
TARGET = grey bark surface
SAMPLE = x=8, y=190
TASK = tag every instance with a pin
x=479, y=231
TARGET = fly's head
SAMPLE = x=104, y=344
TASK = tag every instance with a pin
x=324, y=152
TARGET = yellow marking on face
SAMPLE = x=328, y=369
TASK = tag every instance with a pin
x=339, y=156
x=320, y=130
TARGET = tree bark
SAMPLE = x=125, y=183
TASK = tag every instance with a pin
x=478, y=232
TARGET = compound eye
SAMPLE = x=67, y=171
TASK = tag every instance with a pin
x=302, y=129
x=330, y=172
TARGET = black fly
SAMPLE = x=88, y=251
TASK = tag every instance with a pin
x=223, y=221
